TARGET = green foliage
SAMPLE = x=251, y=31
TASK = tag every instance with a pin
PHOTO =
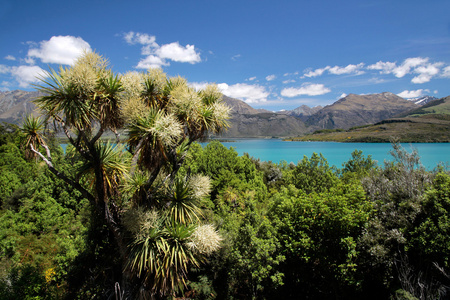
x=225, y=168
x=328, y=130
x=318, y=233
x=42, y=226
x=27, y=283
x=248, y=262
x=359, y=165
x=272, y=174
x=429, y=237
x=396, y=192
x=313, y=175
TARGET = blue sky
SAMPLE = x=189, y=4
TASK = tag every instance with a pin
x=272, y=54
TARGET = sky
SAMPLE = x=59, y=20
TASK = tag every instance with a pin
x=271, y=54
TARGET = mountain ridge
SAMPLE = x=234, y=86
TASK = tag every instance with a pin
x=356, y=110
x=246, y=121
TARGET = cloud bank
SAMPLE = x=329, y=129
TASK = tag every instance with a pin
x=247, y=92
x=157, y=55
x=60, y=50
x=306, y=89
x=413, y=94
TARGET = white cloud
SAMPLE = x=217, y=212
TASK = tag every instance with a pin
x=288, y=81
x=10, y=57
x=252, y=78
x=343, y=95
x=60, y=50
x=412, y=94
x=384, y=67
x=305, y=89
x=336, y=70
x=407, y=65
x=235, y=57
x=446, y=72
x=158, y=56
x=26, y=74
x=151, y=61
x=290, y=74
x=176, y=52
x=350, y=69
x=316, y=72
x=140, y=38
x=29, y=60
x=247, y=92
x=270, y=77
x=413, y=65
x=4, y=69
x=426, y=72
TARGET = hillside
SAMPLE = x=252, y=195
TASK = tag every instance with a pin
x=14, y=105
x=356, y=110
x=429, y=123
x=438, y=106
x=264, y=125
x=246, y=121
x=240, y=107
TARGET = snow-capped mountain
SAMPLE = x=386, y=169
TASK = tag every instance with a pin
x=422, y=100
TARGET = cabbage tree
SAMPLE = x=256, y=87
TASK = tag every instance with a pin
x=153, y=213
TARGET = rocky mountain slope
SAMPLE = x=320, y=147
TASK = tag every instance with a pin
x=429, y=123
x=356, y=110
x=246, y=121
x=249, y=122
x=240, y=107
x=302, y=112
x=422, y=100
x=14, y=105
x=264, y=125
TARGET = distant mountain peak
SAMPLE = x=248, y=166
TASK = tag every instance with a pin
x=354, y=110
x=422, y=100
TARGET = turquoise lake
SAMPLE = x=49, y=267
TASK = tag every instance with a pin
x=431, y=154
x=275, y=150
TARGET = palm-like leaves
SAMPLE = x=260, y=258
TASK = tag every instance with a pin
x=162, y=256
x=32, y=127
x=182, y=203
x=149, y=137
x=108, y=102
x=62, y=100
x=111, y=163
x=80, y=95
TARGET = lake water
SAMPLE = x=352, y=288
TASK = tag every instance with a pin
x=276, y=150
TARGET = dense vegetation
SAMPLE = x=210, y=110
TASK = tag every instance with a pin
x=305, y=231
x=156, y=216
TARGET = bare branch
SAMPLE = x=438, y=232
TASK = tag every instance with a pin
x=98, y=135
x=62, y=176
x=135, y=157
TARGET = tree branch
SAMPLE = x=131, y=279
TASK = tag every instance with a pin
x=98, y=135
x=74, y=184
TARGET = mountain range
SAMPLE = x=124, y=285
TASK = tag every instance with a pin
x=246, y=121
x=429, y=123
